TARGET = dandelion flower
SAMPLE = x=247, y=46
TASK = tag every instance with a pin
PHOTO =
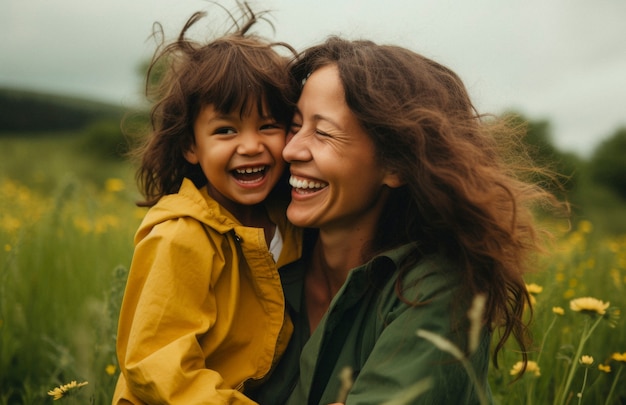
x=531, y=367
x=586, y=360
x=114, y=185
x=110, y=369
x=619, y=357
x=612, y=316
x=585, y=226
x=61, y=391
x=534, y=288
x=604, y=367
x=558, y=310
x=589, y=305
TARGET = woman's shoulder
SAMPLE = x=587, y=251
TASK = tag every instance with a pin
x=404, y=279
x=412, y=267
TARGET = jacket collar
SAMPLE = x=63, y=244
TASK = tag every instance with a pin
x=360, y=279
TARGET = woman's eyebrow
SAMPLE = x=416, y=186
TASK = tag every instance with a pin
x=321, y=117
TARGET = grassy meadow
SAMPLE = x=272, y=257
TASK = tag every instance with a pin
x=67, y=221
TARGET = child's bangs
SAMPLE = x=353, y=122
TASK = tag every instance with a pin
x=237, y=77
x=242, y=104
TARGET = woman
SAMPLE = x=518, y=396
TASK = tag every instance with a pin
x=417, y=214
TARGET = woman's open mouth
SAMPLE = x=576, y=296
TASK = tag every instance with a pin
x=304, y=186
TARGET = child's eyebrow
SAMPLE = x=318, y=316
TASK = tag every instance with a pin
x=225, y=116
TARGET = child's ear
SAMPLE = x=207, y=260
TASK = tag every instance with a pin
x=190, y=155
x=393, y=179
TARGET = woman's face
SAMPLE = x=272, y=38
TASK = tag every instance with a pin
x=336, y=180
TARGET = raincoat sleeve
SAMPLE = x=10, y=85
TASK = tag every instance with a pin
x=167, y=307
x=400, y=360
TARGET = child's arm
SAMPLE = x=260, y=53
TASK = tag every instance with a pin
x=168, y=307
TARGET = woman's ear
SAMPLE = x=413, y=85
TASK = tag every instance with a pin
x=392, y=179
x=190, y=155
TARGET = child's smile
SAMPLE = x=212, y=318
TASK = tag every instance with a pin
x=240, y=154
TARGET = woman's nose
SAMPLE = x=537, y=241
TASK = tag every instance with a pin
x=296, y=148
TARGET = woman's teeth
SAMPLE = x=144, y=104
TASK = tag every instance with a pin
x=297, y=183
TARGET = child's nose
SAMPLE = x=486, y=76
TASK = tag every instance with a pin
x=251, y=143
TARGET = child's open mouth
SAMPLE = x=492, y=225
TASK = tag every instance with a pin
x=249, y=174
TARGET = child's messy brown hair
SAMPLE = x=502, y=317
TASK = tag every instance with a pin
x=235, y=72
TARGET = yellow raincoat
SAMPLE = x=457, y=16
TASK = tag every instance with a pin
x=203, y=310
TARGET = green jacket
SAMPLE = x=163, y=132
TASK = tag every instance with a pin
x=372, y=331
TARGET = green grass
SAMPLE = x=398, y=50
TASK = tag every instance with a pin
x=66, y=241
x=583, y=264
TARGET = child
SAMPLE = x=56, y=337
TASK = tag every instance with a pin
x=203, y=312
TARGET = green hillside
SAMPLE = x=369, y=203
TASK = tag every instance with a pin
x=26, y=112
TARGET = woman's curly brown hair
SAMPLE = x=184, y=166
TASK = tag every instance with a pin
x=462, y=196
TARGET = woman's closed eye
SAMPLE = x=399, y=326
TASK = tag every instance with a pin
x=321, y=133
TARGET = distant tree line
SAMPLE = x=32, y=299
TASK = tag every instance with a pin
x=99, y=125
x=581, y=179
x=24, y=112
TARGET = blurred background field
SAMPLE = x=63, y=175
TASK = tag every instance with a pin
x=68, y=215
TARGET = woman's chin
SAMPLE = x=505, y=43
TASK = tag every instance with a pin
x=300, y=217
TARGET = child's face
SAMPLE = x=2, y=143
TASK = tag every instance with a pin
x=241, y=156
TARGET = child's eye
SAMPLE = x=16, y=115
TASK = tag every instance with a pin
x=272, y=125
x=295, y=127
x=225, y=131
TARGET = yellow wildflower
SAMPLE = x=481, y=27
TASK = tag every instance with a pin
x=586, y=360
x=139, y=213
x=619, y=357
x=534, y=288
x=110, y=369
x=114, y=185
x=615, y=275
x=604, y=367
x=531, y=367
x=613, y=316
x=558, y=310
x=61, y=391
x=589, y=305
x=569, y=294
x=585, y=226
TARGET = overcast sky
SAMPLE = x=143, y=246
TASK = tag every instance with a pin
x=560, y=60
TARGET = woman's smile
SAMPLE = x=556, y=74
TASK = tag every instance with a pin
x=306, y=186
